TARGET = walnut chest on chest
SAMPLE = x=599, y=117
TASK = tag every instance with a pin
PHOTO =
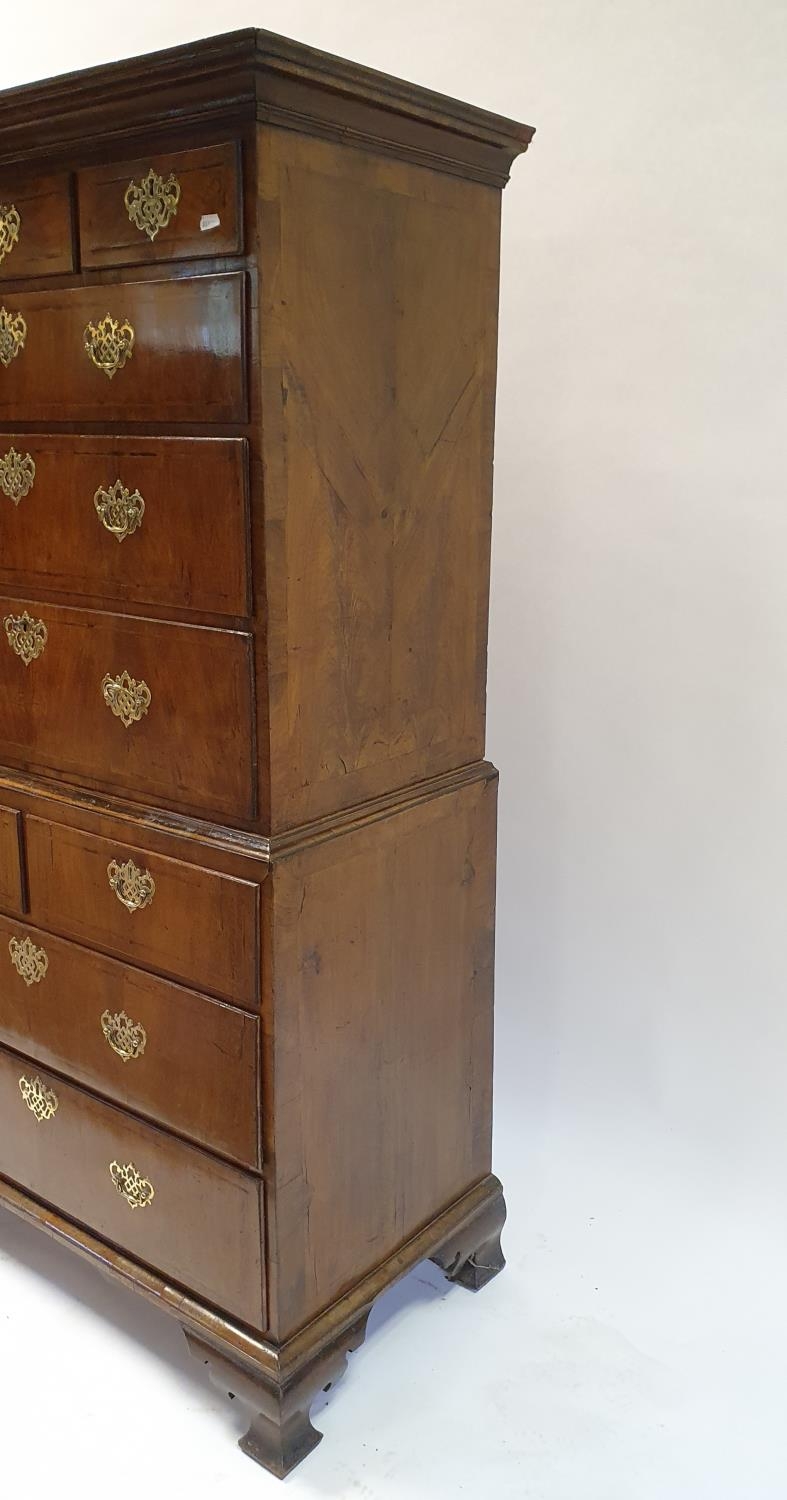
x=248, y=326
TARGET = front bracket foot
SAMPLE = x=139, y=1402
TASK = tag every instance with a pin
x=281, y=1433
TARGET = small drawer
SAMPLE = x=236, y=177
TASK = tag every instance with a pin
x=180, y=1211
x=181, y=1059
x=139, y=706
x=35, y=226
x=11, y=881
x=140, y=520
x=186, y=922
x=159, y=208
x=151, y=351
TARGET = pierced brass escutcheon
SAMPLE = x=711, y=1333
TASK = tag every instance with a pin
x=26, y=636
x=10, y=225
x=133, y=887
x=41, y=1101
x=152, y=202
x=128, y=699
x=13, y=332
x=126, y=1037
x=119, y=510
x=109, y=344
x=17, y=473
x=136, y=1189
x=30, y=962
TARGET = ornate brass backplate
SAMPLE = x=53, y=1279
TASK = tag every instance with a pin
x=126, y=1037
x=30, y=962
x=17, y=474
x=119, y=510
x=40, y=1100
x=133, y=887
x=13, y=332
x=152, y=202
x=26, y=636
x=128, y=699
x=109, y=344
x=136, y=1189
x=10, y=225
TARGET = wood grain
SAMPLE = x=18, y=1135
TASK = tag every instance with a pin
x=186, y=364
x=12, y=887
x=44, y=246
x=190, y=550
x=203, y=1226
x=380, y=1038
x=193, y=746
x=198, y=1073
x=209, y=188
x=201, y=926
x=378, y=334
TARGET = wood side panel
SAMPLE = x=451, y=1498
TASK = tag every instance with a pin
x=202, y=1227
x=200, y=926
x=43, y=244
x=12, y=889
x=198, y=1070
x=186, y=363
x=206, y=221
x=188, y=550
x=379, y=323
x=381, y=1039
x=193, y=745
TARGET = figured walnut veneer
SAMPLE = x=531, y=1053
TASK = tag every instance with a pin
x=247, y=831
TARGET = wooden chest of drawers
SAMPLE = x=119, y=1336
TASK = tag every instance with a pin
x=248, y=304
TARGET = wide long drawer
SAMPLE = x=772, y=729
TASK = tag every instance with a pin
x=132, y=705
x=155, y=351
x=180, y=1211
x=178, y=1057
x=182, y=920
x=141, y=520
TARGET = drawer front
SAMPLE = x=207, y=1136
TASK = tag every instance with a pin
x=195, y=1219
x=35, y=226
x=155, y=351
x=161, y=207
x=11, y=881
x=142, y=520
x=133, y=705
x=164, y=1051
x=184, y=921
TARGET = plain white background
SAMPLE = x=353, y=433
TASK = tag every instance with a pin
x=634, y=1349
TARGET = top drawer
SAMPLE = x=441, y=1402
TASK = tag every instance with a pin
x=35, y=227
x=156, y=351
x=161, y=207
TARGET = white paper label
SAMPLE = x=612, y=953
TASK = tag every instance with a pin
x=209, y=221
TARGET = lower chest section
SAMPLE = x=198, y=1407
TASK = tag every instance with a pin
x=131, y=1044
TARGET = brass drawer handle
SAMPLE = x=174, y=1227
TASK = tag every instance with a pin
x=119, y=510
x=17, y=474
x=41, y=1101
x=108, y=343
x=136, y=1189
x=30, y=962
x=152, y=202
x=10, y=225
x=133, y=887
x=126, y=1037
x=13, y=332
x=26, y=637
x=128, y=699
